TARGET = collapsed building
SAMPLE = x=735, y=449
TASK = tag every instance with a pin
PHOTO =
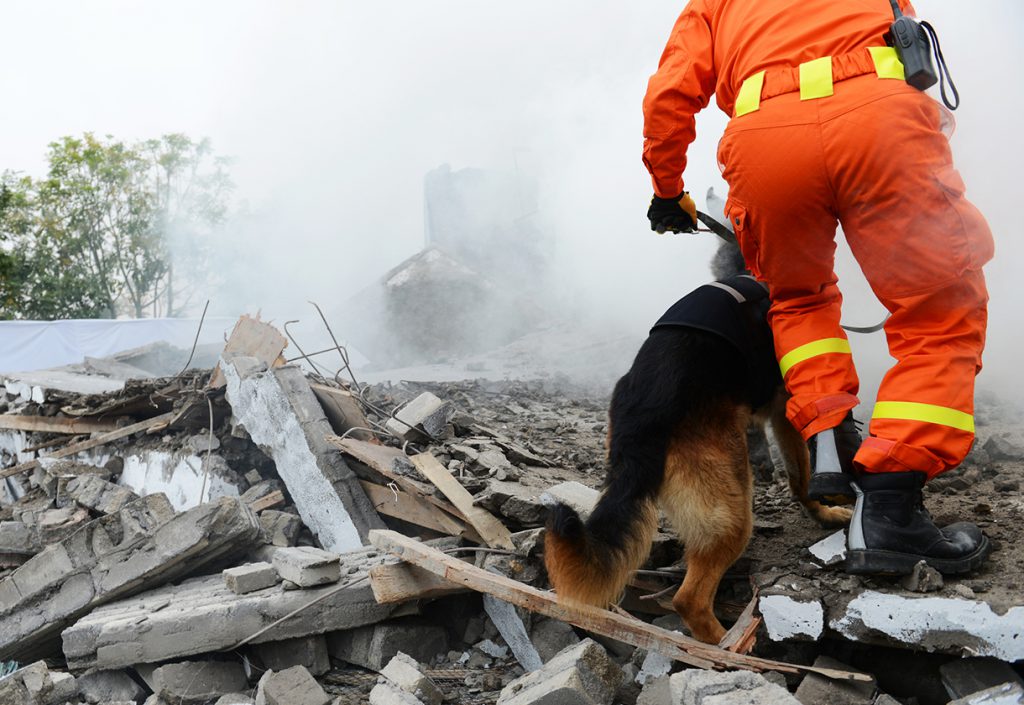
x=250, y=532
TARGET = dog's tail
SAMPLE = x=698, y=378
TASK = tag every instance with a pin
x=592, y=561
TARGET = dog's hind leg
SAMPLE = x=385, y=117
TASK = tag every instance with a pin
x=707, y=496
x=798, y=468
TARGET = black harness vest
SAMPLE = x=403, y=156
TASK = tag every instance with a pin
x=736, y=310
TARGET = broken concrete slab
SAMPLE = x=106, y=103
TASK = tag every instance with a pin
x=280, y=528
x=374, y=646
x=788, y=617
x=18, y=539
x=282, y=415
x=423, y=418
x=581, y=675
x=95, y=493
x=699, y=687
x=949, y=625
x=310, y=652
x=145, y=544
x=816, y=689
x=513, y=631
x=35, y=684
x=190, y=682
x=575, y=494
x=1006, y=694
x=307, y=566
x=187, y=479
x=250, y=577
x=294, y=686
x=830, y=550
x=551, y=636
x=202, y=615
x=404, y=672
x=101, y=687
x=966, y=676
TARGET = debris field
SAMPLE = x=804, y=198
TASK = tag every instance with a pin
x=255, y=533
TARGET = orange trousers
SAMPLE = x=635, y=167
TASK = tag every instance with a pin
x=871, y=157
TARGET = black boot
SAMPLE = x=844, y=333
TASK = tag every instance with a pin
x=891, y=530
x=832, y=454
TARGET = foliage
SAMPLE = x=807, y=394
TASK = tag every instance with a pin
x=109, y=227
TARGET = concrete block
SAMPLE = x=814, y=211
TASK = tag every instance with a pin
x=1006, y=694
x=235, y=699
x=95, y=493
x=941, y=624
x=550, y=636
x=202, y=615
x=424, y=417
x=404, y=672
x=54, y=525
x=581, y=675
x=294, y=686
x=280, y=528
x=109, y=686
x=307, y=566
x=373, y=646
x=197, y=681
x=113, y=557
x=965, y=676
x=656, y=692
x=698, y=687
x=250, y=577
x=575, y=494
x=282, y=415
x=18, y=538
x=831, y=549
x=309, y=652
x=815, y=689
x=387, y=693
x=35, y=684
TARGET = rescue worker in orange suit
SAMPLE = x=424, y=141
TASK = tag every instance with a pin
x=825, y=129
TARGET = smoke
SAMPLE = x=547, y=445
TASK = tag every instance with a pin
x=334, y=111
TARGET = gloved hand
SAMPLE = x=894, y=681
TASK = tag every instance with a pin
x=676, y=215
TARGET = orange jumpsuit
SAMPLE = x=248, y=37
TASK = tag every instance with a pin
x=838, y=139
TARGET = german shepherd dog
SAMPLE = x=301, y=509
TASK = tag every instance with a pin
x=677, y=441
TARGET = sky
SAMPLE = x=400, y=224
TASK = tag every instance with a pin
x=334, y=111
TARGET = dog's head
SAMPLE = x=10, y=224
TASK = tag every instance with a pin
x=728, y=261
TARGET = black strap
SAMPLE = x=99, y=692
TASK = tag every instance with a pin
x=944, y=74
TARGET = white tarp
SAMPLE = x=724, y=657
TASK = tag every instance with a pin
x=36, y=345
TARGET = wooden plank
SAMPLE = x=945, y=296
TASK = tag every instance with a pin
x=273, y=499
x=386, y=462
x=52, y=424
x=401, y=505
x=493, y=532
x=626, y=629
x=343, y=411
x=401, y=582
x=75, y=448
x=254, y=338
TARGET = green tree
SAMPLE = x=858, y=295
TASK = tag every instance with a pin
x=101, y=233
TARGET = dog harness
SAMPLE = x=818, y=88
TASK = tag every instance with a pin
x=736, y=310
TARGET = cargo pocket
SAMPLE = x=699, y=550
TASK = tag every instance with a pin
x=737, y=215
x=975, y=245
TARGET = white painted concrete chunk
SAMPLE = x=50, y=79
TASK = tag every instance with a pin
x=307, y=566
x=575, y=494
x=934, y=623
x=830, y=550
x=787, y=618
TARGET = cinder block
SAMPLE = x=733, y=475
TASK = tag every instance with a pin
x=294, y=686
x=404, y=672
x=281, y=528
x=308, y=651
x=249, y=578
x=374, y=645
x=580, y=675
x=197, y=681
x=307, y=566
x=109, y=686
x=426, y=414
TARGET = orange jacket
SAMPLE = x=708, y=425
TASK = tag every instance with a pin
x=716, y=44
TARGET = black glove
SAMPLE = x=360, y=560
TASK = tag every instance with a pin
x=676, y=215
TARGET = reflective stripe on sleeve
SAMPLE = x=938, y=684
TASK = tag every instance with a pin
x=927, y=413
x=818, y=347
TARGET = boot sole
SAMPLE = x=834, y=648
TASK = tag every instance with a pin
x=831, y=488
x=878, y=562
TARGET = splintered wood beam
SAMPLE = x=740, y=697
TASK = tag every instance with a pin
x=399, y=504
x=626, y=629
x=343, y=411
x=51, y=424
x=493, y=532
x=267, y=501
x=64, y=452
x=742, y=634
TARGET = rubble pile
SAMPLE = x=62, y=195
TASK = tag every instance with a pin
x=255, y=534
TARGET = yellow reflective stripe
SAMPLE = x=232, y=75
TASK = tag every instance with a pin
x=818, y=347
x=816, y=78
x=928, y=413
x=887, y=62
x=749, y=98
